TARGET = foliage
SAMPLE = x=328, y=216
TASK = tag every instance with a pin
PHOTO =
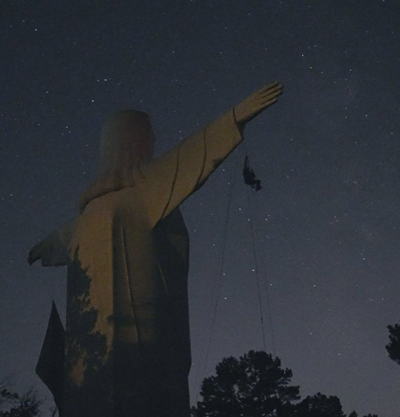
x=319, y=405
x=13, y=404
x=255, y=385
x=393, y=347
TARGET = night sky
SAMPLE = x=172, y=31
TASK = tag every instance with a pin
x=326, y=222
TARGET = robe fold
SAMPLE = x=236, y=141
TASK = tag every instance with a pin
x=127, y=343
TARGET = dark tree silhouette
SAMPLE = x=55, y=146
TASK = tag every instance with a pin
x=13, y=404
x=393, y=347
x=319, y=405
x=253, y=385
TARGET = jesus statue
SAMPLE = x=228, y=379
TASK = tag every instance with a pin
x=125, y=350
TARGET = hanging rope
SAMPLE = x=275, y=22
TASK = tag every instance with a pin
x=217, y=286
x=255, y=184
x=256, y=272
x=260, y=304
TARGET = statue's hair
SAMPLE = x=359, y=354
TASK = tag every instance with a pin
x=127, y=142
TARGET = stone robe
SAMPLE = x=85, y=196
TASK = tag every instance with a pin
x=127, y=344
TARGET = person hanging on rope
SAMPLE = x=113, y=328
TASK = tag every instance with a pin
x=250, y=176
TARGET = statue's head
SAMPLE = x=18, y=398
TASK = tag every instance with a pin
x=126, y=139
x=127, y=142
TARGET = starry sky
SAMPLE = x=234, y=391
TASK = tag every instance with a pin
x=326, y=225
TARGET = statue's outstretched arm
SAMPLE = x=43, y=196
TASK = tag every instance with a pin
x=169, y=180
x=53, y=250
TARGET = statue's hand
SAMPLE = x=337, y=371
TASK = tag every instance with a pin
x=39, y=251
x=54, y=249
x=257, y=102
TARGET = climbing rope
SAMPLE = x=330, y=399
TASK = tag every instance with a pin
x=260, y=303
x=217, y=287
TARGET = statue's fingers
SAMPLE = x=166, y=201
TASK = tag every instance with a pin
x=32, y=258
x=276, y=90
x=269, y=102
x=261, y=106
x=269, y=87
x=270, y=96
x=33, y=255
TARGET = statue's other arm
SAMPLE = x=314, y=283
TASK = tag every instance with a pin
x=53, y=250
x=169, y=180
